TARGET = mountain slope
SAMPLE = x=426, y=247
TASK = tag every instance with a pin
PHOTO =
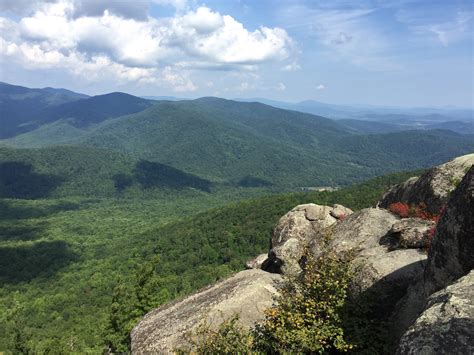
x=227, y=141
x=96, y=109
x=63, y=262
x=214, y=138
x=83, y=171
x=23, y=109
x=405, y=150
x=370, y=127
x=20, y=107
x=222, y=140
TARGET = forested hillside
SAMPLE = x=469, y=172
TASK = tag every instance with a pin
x=77, y=273
x=225, y=141
x=99, y=199
x=63, y=171
x=20, y=107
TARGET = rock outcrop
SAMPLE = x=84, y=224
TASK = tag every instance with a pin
x=446, y=326
x=246, y=294
x=452, y=249
x=383, y=272
x=448, y=314
x=432, y=188
x=428, y=303
x=303, y=226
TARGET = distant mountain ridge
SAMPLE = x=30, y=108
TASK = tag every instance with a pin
x=23, y=109
x=96, y=109
x=231, y=142
x=380, y=119
x=340, y=111
x=20, y=107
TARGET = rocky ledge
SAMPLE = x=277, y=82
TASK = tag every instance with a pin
x=247, y=293
x=427, y=300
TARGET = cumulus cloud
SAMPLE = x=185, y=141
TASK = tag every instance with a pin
x=121, y=38
x=221, y=39
x=178, y=81
x=320, y=87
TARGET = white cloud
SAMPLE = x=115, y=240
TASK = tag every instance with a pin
x=83, y=36
x=178, y=81
x=221, y=39
x=321, y=87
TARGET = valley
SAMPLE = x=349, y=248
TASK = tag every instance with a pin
x=68, y=263
x=236, y=177
x=113, y=205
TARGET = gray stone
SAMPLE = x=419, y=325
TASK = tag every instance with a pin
x=384, y=273
x=247, y=294
x=451, y=257
x=362, y=230
x=446, y=326
x=409, y=233
x=432, y=188
x=452, y=248
x=294, y=232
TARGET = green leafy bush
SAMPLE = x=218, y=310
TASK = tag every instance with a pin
x=307, y=317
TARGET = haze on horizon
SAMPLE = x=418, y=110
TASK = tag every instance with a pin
x=395, y=53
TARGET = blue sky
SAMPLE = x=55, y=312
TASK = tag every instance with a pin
x=398, y=53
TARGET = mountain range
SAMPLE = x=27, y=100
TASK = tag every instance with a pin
x=221, y=142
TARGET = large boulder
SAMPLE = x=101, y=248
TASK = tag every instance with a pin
x=381, y=273
x=303, y=226
x=452, y=249
x=362, y=231
x=446, y=326
x=432, y=188
x=451, y=256
x=247, y=294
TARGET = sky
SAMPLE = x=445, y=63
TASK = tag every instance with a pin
x=379, y=52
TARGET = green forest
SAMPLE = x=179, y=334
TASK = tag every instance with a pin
x=76, y=273
x=113, y=204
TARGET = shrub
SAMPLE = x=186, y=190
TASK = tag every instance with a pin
x=313, y=314
x=400, y=209
x=307, y=315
